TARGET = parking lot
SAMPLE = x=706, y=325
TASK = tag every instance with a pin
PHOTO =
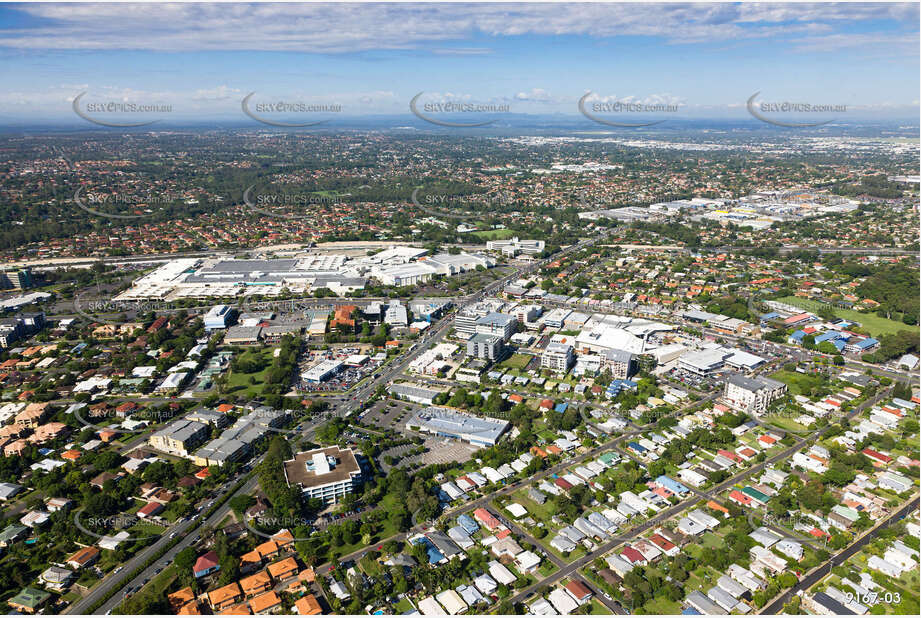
x=385, y=415
x=345, y=379
x=438, y=451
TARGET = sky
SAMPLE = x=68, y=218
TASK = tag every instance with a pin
x=703, y=60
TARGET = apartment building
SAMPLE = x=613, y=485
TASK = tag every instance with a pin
x=753, y=395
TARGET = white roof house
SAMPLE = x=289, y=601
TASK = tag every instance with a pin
x=562, y=601
x=451, y=601
x=500, y=573
x=430, y=607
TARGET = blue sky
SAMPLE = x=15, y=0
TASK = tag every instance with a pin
x=533, y=58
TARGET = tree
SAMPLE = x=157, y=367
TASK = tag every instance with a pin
x=185, y=560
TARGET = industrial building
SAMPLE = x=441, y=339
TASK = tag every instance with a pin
x=322, y=371
x=414, y=393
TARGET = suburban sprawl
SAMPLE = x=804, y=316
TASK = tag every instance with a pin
x=270, y=372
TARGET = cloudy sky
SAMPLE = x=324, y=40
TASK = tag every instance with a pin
x=706, y=59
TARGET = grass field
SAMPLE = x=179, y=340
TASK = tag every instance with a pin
x=874, y=324
x=798, y=383
x=240, y=383
x=517, y=361
x=403, y=606
x=493, y=234
x=786, y=423
x=661, y=607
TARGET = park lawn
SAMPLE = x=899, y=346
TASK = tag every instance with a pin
x=517, y=361
x=874, y=324
x=493, y=234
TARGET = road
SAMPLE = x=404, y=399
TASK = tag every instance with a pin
x=814, y=576
x=670, y=512
x=115, y=582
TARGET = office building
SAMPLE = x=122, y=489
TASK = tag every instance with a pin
x=219, y=316
x=513, y=246
x=500, y=324
x=15, y=280
x=328, y=473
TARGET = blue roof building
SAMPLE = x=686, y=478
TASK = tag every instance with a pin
x=828, y=335
x=637, y=447
x=467, y=523
x=672, y=485
x=561, y=407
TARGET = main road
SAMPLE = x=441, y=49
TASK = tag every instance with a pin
x=113, y=586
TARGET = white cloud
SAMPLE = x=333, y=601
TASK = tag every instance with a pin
x=339, y=28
